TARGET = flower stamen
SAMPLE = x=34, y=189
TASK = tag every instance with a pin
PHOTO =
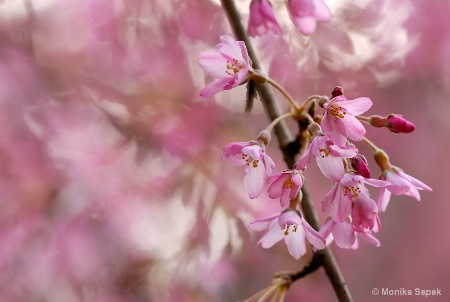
x=234, y=67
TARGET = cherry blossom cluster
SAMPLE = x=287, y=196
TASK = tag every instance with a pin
x=304, y=14
x=330, y=138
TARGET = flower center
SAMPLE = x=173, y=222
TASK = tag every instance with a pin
x=337, y=111
x=324, y=152
x=249, y=160
x=294, y=229
x=234, y=67
x=289, y=184
x=353, y=191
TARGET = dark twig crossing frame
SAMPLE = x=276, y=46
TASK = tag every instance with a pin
x=323, y=258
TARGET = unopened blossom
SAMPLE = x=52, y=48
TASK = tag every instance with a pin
x=344, y=235
x=285, y=185
x=229, y=64
x=397, y=124
x=339, y=119
x=359, y=163
x=400, y=184
x=258, y=164
x=350, y=188
x=328, y=156
x=394, y=122
x=262, y=19
x=306, y=13
x=291, y=227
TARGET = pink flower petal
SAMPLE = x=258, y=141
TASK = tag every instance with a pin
x=295, y=241
x=344, y=235
x=232, y=49
x=215, y=87
x=289, y=218
x=357, y=106
x=313, y=236
x=329, y=198
x=263, y=223
x=415, y=182
x=274, y=235
x=370, y=238
x=254, y=180
x=269, y=164
x=275, y=190
x=213, y=63
x=354, y=128
x=332, y=167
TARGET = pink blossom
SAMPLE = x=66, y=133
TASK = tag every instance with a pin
x=229, y=64
x=339, y=119
x=285, y=185
x=365, y=214
x=328, y=156
x=400, y=184
x=291, y=226
x=350, y=188
x=262, y=19
x=344, y=235
x=306, y=13
x=259, y=164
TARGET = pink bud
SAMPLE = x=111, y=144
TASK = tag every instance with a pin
x=397, y=124
x=359, y=163
x=337, y=92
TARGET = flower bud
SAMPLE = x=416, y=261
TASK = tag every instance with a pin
x=359, y=163
x=323, y=100
x=264, y=137
x=337, y=92
x=397, y=124
x=314, y=129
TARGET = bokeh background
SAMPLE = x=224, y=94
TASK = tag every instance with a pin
x=111, y=183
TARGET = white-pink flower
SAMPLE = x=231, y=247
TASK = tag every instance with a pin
x=339, y=119
x=291, y=226
x=306, y=13
x=400, y=184
x=344, y=235
x=258, y=164
x=350, y=188
x=365, y=214
x=285, y=185
x=229, y=64
x=262, y=19
x=328, y=156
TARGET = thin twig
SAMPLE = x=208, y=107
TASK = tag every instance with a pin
x=324, y=257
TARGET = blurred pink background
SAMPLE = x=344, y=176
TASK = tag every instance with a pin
x=111, y=183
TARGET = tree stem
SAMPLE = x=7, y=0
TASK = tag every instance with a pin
x=323, y=257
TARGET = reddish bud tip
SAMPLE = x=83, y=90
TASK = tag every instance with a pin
x=337, y=92
x=397, y=124
x=359, y=163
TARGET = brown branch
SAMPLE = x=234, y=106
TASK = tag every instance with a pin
x=323, y=257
